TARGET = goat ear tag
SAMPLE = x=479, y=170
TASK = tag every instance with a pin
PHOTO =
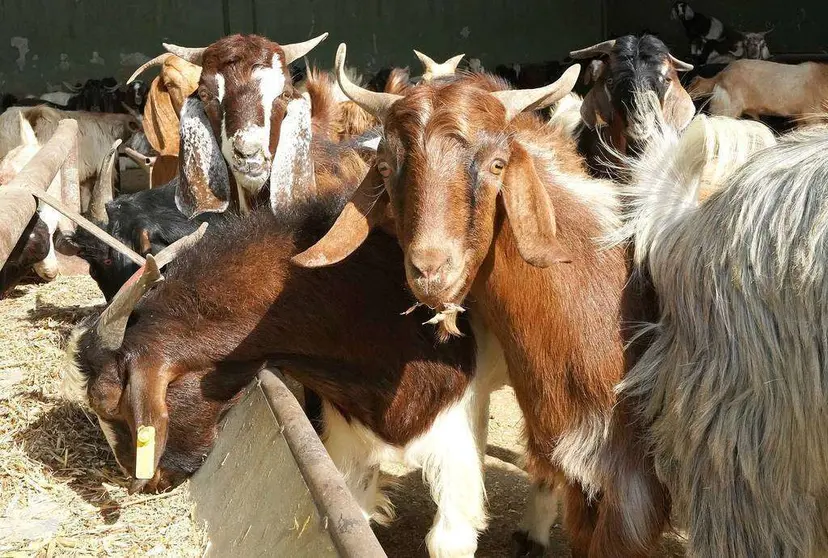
x=291, y=176
x=145, y=453
x=204, y=183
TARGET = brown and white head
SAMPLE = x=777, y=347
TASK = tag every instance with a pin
x=447, y=162
x=628, y=70
x=247, y=108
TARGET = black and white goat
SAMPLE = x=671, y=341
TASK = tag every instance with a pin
x=713, y=42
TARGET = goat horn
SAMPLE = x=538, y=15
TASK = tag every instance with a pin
x=112, y=323
x=72, y=88
x=534, y=99
x=157, y=61
x=432, y=69
x=679, y=65
x=102, y=192
x=191, y=55
x=375, y=103
x=295, y=51
x=594, y=50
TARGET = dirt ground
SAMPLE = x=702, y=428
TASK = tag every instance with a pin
x=59, y=479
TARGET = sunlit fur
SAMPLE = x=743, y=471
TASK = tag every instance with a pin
x=736, y=382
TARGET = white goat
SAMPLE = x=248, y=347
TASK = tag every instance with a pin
x=735, y=384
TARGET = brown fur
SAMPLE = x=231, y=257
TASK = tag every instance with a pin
x=213, y=340
x=562, y=326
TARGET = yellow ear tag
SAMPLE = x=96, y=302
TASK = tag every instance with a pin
x=145, y=453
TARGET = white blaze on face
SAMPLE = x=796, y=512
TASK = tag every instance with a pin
x=48, y=268
x=271, y=83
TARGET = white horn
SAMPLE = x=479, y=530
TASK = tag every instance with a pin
x=295, y=51
x=533, y=99
x=191, y=55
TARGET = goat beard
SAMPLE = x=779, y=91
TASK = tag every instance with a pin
x=445, y=319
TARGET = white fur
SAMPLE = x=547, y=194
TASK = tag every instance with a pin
x=74, y=383
x=291, y=175
x=202, y=155
x=57, y=97
x=220, y=87
x=541, y=513
x=715, y=31
x=450, y=455
x=566, y=115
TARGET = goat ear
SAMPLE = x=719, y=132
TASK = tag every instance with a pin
x=530, y=212
x=597, y=109
x=65, y=244
x=204, y=183
x=678, y=106
x=147, y=394
x=161, y=120
x=144, y=244
x=364, y=211
x=291, y=176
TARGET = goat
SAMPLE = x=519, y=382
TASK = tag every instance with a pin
x=449, y=148
x=612, y=111
x=95, y=95
x=712, y=42
x=36, y=248
x=247, y=111
x=96, y=133
x=177, y=80
x=733, y=383
x=389, y=390
x=759, y=88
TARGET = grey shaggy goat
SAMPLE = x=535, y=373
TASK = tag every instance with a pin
x=734, y=387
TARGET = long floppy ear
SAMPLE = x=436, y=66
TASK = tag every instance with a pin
x=597, y=108
x=204, y=183
x=364, y=211
x=530, y=212
x=161, y=120
x=291, y=176
x=146, y=392
x=678, y=106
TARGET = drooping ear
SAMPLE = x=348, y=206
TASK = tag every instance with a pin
x=204, y=183
x=144, y=244
x=596, y=110
x=146, y=392
x=161, y=120
x=530, y=212
x=364, y=211
x=678, y=106
x=291, y=176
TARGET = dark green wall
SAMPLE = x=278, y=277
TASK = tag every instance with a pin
x=62, y=35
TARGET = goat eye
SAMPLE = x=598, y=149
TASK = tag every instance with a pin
x=204, y=95
x=107, y=261
x=497, y=166
x=384, y=169
x=609, y=82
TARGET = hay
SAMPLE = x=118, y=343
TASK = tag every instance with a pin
x=61, y=492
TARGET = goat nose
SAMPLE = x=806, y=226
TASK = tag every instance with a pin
x=245, y=149
x=429, y=264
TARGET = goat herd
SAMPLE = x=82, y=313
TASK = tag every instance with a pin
x=649, y=281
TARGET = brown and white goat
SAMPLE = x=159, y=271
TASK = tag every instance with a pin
x=248, y=113
x=760, y=88
x=390, y=391
x=177, y=80
x=491, y=204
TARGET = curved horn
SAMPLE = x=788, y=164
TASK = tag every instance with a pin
x=595, y=50
x=432, y=69
x=295, y=51
x=102, y=192
x=111, y=324
x=679, y=65
x=534, y=99
x=110, y=89
x=157, y=61
x=191, y=55
x=72, y=88
x=375, y=103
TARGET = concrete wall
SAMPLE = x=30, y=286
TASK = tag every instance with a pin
x=44, y=42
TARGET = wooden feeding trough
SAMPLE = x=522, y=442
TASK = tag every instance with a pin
x=269, y=488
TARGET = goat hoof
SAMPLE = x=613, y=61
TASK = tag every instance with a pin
x=526, y=547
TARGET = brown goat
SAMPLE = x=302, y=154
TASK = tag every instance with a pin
x=177, y=81
x=449, y=148
x=192, y=344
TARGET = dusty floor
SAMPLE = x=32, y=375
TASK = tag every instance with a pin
x=61, y=493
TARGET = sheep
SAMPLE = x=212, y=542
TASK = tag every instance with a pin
x=390, y=391
x=732, y=387
x=532, y=272
x=758, y=88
